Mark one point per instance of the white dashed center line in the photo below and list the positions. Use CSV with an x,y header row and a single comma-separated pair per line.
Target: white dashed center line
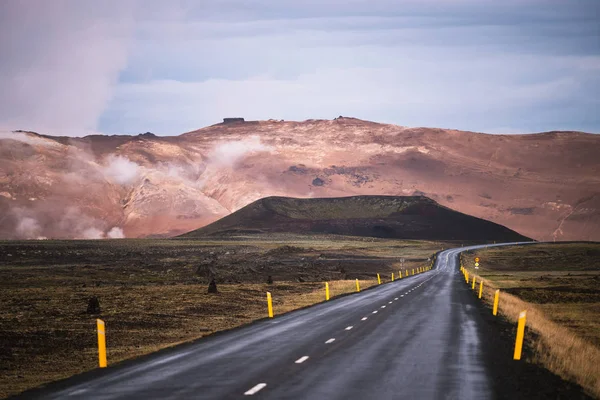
x,y
382,306
330,340
401,295
348,328
255,389
396,298
390,302
301,360
375,312
364,319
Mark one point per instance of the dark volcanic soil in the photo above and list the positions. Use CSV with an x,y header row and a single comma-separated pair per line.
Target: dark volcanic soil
x,y
409,217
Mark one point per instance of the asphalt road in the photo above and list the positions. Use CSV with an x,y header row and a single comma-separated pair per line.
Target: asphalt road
x,y
416,338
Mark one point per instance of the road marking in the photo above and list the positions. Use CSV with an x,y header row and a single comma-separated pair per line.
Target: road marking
x,y
255,389
349,327
301,360
382,306
375,312
396,298
364,319
330,340
401,295
390,302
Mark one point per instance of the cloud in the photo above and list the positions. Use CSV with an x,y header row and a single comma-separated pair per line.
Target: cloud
x,y
457,64
169,67
121,170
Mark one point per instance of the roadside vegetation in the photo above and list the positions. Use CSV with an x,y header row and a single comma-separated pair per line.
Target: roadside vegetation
x,y
559,286
153,293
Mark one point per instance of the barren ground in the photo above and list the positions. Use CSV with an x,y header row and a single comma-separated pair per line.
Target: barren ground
x,y
153,293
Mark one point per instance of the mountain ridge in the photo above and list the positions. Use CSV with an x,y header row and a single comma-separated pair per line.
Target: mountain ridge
x,y
544,185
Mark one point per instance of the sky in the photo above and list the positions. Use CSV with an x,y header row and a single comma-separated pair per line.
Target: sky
x,y
77,67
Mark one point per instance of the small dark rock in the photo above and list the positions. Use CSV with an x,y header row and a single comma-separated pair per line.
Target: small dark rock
x,y
212,286
270,280
93,305
318,182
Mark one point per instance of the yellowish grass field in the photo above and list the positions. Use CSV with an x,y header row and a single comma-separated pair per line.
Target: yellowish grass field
x,y
562,300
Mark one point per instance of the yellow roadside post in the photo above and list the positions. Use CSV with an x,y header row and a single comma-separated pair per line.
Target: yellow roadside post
x,y
406,272
496,298
101,343
270,304
480,288
357,286
378,279
520,335
473,285
326,290
413,271
392,277
400,274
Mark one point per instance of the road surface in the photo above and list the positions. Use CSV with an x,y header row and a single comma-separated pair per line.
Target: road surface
x,y
415,338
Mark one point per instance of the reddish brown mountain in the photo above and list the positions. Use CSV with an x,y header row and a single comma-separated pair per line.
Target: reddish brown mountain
x,y
545,186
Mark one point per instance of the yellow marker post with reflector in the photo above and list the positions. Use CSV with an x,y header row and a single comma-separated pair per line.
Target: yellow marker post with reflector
x,y
520,335
480,288
496,299
392,277
101,343
357,286
326,290
270,304
378,279
473,285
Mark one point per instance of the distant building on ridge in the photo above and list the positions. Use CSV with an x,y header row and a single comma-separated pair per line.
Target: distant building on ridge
x,y
232,120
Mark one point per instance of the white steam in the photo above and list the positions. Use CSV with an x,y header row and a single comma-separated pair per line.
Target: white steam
x,y
92,233
27,138
228,153
115,233
28,228
121,170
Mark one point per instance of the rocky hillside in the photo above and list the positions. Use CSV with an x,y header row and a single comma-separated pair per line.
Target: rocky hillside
x,y
545,186
414,217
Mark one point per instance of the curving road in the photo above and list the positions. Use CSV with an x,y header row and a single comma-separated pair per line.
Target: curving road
x,y
415,338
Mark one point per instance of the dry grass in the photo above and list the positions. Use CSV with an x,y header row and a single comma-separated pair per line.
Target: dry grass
x,y
336,288
558,343
152,295
54,339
